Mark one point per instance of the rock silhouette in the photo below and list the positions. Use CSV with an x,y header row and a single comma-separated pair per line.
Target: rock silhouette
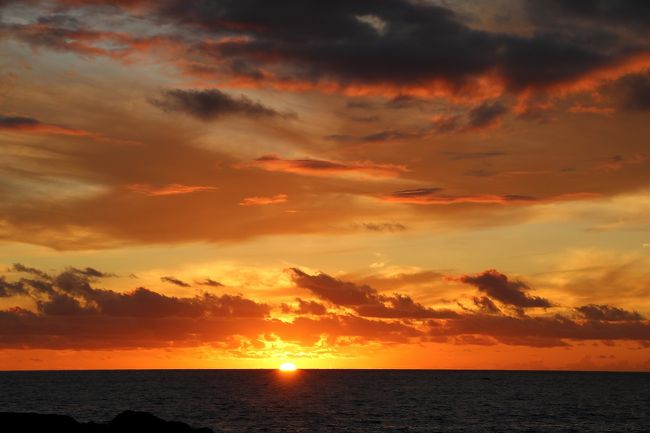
x,y
126,422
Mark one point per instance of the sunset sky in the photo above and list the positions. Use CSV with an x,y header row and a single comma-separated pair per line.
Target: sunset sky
x,y
337,184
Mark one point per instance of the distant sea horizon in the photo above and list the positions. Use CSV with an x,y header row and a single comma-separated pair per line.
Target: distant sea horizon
x,y
343,400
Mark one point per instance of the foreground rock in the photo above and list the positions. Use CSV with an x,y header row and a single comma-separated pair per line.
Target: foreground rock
x,y
126,422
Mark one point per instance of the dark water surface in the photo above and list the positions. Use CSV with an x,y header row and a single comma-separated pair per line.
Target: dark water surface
x,y
344,400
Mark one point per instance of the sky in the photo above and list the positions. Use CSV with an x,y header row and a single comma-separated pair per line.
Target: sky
x,y
341,184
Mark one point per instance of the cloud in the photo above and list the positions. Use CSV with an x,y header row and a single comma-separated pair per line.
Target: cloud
x,y
632,92
169,189
365,47
403,306
320,167
541,331
19,267
485,305
263,201
486,115
212,104
66,33
497,286
381,136
365,300
340,47
28,125
8,289
305,308
608,313
608,13
70,312
31,125
384,227
175,281
71,292
92,272
335,291
434,196
209,282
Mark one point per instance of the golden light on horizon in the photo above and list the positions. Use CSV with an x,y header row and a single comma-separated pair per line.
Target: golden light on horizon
x,y
288,366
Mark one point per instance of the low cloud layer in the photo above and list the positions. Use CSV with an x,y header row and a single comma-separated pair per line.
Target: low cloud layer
x,y
71,312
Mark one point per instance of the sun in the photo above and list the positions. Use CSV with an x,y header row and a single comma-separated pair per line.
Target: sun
x,y
288,366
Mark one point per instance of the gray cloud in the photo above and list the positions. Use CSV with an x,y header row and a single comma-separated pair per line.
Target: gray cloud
x,y
213,104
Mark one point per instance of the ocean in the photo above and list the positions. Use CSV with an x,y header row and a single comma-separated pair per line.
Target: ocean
x,y
344,400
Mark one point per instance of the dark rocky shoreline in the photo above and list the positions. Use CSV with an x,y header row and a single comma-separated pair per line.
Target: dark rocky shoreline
x,y
125,422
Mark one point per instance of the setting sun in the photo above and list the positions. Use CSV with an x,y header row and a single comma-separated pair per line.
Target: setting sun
x,y
288,366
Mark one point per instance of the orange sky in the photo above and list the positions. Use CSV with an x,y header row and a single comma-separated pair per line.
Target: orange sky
x,y
360,184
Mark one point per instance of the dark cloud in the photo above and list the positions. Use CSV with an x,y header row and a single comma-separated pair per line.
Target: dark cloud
x,y
175,281
380,136
608,313
8,289
384,227
447,123
624,13
71,292
481,117
31,125
336,44
419,192
17,122
212,104
509,292
485,305
72,314
209,282
632,92
19,267
61,305
365,300
486,115
305,308
343,293
402,306
434,196
92,272
311,42
541,331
